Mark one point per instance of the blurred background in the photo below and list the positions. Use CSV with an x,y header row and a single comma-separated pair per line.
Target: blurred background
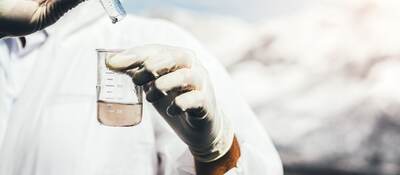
x,y
322,75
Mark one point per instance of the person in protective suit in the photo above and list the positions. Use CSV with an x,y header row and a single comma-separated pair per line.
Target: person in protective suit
x,y
194,122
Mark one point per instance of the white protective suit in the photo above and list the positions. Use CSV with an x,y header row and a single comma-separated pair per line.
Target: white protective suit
x,y
48,120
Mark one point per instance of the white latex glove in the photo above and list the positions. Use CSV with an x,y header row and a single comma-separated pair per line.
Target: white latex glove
x,y
179,88
22,17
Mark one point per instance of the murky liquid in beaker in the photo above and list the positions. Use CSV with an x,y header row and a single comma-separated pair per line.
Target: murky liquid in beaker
x,y
119,100
119,115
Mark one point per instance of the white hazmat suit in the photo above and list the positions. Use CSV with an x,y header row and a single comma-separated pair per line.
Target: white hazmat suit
x,y
48,120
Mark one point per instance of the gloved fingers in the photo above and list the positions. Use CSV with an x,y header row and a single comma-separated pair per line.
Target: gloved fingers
x,y
180,81
16,17
152,93
142,76
62,6
124,61
153,61
168,61
192,102
131,72
159,65
136,56
66,2
27,16
132,58
49,11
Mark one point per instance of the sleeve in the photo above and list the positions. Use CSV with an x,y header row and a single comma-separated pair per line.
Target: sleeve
x,y
258,155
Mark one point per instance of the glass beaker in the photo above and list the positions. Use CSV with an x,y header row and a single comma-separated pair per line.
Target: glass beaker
x,y
119,100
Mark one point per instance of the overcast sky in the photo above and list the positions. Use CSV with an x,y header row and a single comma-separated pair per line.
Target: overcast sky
x,y
250,9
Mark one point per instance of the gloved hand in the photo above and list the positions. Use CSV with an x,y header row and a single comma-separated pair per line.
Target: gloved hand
x,y
22,17
179,88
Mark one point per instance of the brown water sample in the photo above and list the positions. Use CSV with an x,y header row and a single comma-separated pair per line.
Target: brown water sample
x,y
119,115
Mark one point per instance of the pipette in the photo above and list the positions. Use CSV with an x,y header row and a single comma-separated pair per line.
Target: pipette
x,y
114,10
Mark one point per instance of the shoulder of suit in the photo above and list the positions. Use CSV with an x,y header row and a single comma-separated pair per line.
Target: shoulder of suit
x,y
145,27
148,23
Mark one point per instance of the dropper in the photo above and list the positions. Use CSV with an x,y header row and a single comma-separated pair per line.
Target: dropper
x,y
114,10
